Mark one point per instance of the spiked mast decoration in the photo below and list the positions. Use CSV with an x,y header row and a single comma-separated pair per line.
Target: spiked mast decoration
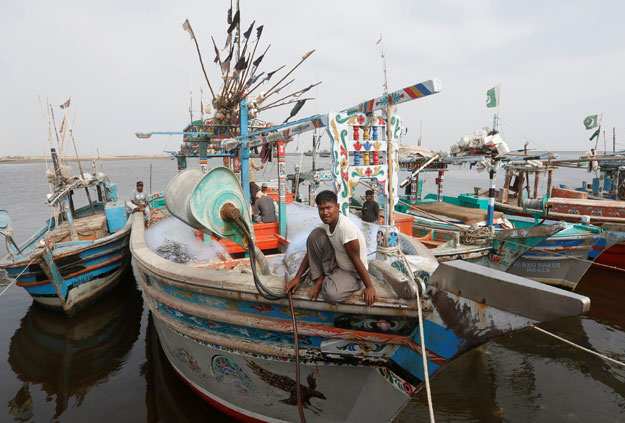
x,y
241,76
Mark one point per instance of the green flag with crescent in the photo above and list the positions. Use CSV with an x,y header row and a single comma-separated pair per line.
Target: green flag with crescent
x,y
591,121
492,96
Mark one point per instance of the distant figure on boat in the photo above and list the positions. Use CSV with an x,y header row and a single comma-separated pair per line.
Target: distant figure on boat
x,y
139,200
336,254
264,209
370,208
263,191
253,187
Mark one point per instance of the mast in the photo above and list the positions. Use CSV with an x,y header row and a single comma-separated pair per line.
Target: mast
x,y
390,215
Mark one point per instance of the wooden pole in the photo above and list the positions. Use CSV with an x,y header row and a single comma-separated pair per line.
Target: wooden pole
x,y
536,182
549,175
506,188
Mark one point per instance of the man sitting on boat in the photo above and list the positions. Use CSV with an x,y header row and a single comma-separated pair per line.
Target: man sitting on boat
x,y
336,255
370,208
139,200
264,209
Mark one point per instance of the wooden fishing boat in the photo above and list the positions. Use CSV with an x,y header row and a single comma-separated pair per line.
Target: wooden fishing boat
x,y
236,348
560,259
224,322
80,253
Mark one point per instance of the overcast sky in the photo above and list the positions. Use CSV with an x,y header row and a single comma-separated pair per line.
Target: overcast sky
x,y
128,65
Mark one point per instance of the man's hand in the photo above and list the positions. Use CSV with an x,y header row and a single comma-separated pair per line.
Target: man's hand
x,y
369,295
292,285
315,290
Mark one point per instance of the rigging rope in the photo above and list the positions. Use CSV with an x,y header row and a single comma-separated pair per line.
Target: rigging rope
x,y
426,375
605,357
17,277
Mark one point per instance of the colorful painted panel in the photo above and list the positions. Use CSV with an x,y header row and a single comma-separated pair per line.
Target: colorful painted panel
x,y
359,151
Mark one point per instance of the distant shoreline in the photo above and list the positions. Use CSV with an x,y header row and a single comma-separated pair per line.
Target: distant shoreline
x,y
34,159
31,159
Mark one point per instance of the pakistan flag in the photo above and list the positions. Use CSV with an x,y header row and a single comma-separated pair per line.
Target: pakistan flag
x,y
492,96
591,121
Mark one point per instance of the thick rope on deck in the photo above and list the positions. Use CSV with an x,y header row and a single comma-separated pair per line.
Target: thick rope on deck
x,y
605,357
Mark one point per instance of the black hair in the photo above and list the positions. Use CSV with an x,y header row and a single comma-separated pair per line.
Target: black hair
x,y
369,192
326,196
139,182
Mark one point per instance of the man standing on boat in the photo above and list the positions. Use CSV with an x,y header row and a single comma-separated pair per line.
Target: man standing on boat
x,y
370,208
336,254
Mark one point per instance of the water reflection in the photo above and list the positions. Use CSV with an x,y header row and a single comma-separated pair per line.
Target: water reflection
x,y
168,398
529,376
69,357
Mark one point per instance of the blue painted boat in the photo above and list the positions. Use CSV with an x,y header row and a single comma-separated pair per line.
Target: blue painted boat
x,y
79,254
235,348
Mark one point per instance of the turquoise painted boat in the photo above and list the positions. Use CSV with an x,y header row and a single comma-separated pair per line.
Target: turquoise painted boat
x,y
79,254
559,260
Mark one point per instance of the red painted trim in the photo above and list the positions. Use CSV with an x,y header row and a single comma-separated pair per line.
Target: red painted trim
x,y
88,269
219,406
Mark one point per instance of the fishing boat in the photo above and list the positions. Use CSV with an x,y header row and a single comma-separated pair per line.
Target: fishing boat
x,y
232,335
445,223
80,253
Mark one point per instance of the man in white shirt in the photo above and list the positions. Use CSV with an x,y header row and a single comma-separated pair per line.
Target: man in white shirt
x,y
336,256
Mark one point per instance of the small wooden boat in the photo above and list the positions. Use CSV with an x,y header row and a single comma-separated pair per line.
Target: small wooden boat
x,y
80,253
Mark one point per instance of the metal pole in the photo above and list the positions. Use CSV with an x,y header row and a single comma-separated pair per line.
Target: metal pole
x,y
245,154
203,156
440,181
389,162
491,199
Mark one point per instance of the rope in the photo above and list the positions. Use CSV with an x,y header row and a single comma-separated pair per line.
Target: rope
x,y
297,371
426,375
620,363
17,277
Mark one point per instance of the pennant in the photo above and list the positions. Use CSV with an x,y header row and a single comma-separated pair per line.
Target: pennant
x,y
259,31
492,96
217,59
591,121
66,104
595,135
270,74
258,60
235,22
225,65
295,109
253,79
247,33
187,27
241,64
228,43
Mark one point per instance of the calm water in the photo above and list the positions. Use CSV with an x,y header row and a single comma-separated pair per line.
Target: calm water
x,y
106,364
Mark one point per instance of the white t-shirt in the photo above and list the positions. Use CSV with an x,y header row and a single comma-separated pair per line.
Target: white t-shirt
x,y
344,232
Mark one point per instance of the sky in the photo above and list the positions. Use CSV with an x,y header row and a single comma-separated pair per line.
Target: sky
x,y
128,66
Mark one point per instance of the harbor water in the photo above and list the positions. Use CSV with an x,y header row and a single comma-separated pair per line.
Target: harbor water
x,y
106,363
